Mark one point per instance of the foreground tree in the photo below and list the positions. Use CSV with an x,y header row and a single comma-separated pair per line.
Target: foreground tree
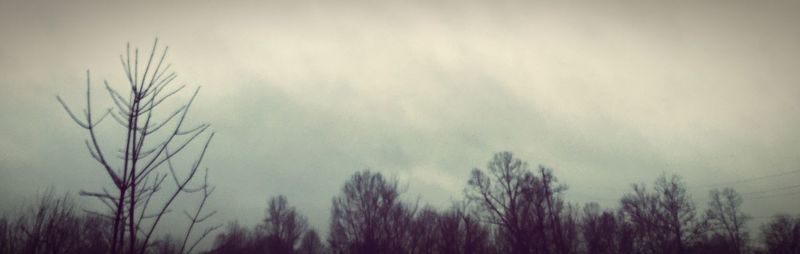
x,y
137,171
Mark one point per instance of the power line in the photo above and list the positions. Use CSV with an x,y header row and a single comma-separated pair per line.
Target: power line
x,y
704,186
594,197
598,198
772,196
759,192
744,180
771,190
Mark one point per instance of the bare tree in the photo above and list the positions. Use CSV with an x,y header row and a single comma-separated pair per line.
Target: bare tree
x,y
368,216
235,239
678,217
527,210
782,235
167,245
311,243
52,225
641,209
664,220
423,234
137,170
562,217
605,231
501,197
727,219
283,226
7,241
460,231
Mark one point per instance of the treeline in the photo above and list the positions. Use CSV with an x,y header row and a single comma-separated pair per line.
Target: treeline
x,y
508,207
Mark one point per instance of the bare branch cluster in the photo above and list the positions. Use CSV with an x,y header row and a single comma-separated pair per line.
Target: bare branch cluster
x,y
152,140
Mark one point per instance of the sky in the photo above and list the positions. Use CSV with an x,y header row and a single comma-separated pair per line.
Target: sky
x,y
302,94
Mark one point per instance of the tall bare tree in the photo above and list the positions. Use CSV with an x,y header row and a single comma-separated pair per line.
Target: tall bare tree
x,y
153,136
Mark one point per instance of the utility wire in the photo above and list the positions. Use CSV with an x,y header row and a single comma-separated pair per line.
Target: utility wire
x,y
772,196
744,180
771,190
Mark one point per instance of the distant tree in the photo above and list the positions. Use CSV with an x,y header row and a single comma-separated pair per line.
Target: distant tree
x,y
423,234
664,220
527,210
782,235
501,198
167,245
311,243
52,225
561,215
727,221
641,209
95,237
461,232
235,239
678,217
282,227
368,216
7,242
138,169
604,231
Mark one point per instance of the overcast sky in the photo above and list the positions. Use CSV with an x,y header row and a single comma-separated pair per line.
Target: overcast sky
x,y
303,94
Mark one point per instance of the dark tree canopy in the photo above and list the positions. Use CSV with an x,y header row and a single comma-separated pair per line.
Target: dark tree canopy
x,y
369,217
525,207
782,235
507,208
282,227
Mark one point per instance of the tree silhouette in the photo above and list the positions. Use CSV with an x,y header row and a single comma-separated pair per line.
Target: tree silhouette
x,y
235,239
782,235
605,231
461,232
526,209
507,209
136,171
727,221
664,220
282,227
311,243
52,225
368,216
